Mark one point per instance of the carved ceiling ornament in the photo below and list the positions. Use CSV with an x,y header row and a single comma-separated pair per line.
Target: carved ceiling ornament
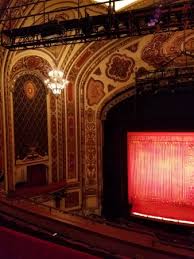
x,y
120,67
166,48
29,64
177,43
133,47
95,91
152,49
30,89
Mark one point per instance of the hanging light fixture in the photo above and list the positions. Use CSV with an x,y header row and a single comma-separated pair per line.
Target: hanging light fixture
x,y
56,83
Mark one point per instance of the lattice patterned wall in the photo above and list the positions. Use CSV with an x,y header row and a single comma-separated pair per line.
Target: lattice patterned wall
x,y
30,116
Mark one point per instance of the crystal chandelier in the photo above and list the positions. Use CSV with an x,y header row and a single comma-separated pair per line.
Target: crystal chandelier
x,y
56,83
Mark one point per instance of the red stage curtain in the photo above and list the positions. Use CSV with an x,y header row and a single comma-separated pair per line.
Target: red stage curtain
x,y
161,174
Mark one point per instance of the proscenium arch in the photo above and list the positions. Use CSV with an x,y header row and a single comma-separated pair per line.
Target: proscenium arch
x,y
120,206
92,127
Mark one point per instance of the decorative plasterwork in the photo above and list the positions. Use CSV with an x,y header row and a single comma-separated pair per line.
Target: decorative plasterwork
x,y
31,63
30,89
166,48
95,91
120,67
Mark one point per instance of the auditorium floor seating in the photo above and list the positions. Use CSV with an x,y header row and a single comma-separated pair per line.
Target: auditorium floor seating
x,y
102,238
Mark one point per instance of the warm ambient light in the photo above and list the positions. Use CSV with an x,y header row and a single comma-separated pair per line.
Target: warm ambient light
x,y
119,4
164,219
56,83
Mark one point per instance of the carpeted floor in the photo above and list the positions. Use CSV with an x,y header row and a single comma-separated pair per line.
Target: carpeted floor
x,y
15,245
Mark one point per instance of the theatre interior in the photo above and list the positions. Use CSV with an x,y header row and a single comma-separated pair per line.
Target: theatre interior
x,y
96,129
